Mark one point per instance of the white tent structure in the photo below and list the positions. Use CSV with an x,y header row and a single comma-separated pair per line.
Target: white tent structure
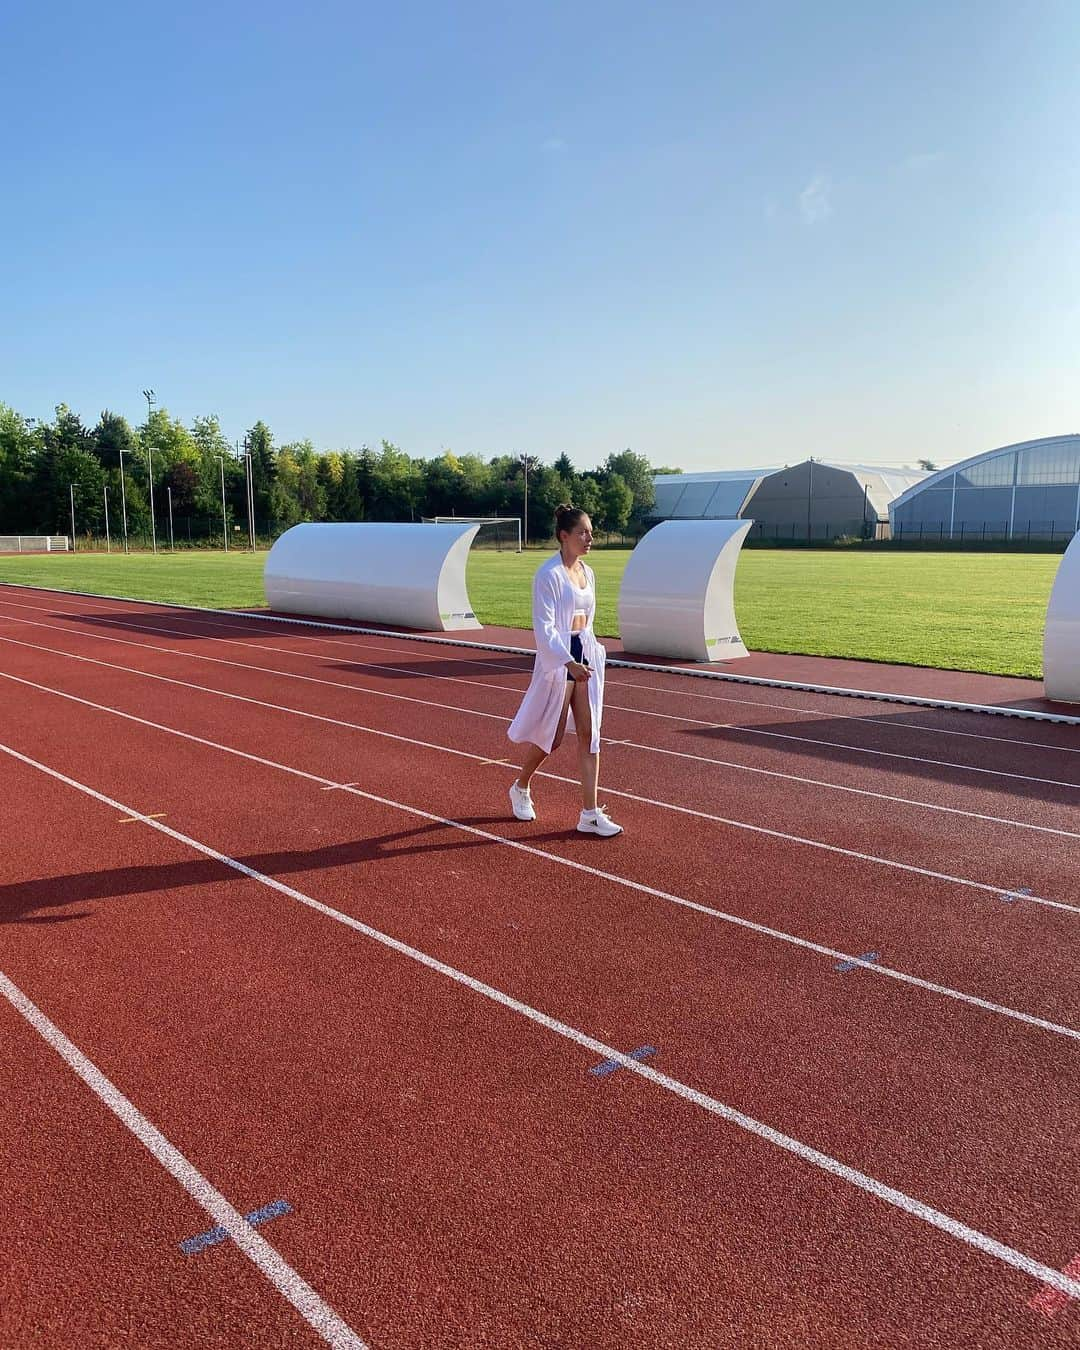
x,y
815,499
704,496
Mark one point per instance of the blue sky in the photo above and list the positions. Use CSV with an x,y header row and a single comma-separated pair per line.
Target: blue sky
x,y
720,234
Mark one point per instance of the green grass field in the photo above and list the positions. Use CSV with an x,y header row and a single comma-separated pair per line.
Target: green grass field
x,y
957,611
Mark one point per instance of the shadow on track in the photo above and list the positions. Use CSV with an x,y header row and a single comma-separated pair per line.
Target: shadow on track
x,y
32,901
1004,759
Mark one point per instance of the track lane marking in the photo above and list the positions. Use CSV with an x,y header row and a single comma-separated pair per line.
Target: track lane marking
x,y
617,681
972,1237
694,812
615,792
269,1262
614,707
639,887
473,712
616,662
1050,1301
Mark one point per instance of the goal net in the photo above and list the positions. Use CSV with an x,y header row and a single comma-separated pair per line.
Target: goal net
x,y
495,532
34,543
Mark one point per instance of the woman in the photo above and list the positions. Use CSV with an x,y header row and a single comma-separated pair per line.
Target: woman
x,y
568,675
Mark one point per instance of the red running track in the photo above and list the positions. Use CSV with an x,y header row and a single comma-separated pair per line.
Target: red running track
x,y
456,1176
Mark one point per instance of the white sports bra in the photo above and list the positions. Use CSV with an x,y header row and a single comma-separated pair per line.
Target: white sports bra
x,y
585,602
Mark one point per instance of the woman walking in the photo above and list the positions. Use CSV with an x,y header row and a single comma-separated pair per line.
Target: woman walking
x,y
568,675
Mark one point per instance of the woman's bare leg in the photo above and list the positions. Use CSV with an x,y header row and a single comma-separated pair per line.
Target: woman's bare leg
x,y
588,763
534,756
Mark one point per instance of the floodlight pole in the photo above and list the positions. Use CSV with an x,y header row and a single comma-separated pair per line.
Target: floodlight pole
x,y
249,487
148,394
71,490
224,521
527,462
123,499
108,541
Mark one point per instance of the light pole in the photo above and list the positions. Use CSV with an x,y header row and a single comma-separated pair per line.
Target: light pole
x,y
527,462
71,490
148,394
224,519
249,484
123,499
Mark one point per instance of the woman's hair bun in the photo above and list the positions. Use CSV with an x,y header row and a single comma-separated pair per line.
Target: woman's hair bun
x,y
566,517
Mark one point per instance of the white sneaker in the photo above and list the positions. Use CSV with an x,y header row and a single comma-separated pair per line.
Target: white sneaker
x,y
521,801
596,822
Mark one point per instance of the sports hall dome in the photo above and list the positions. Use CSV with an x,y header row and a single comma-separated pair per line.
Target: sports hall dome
x,y
1027,490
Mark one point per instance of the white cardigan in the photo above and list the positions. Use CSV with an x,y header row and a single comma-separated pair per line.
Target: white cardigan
x,y
555,597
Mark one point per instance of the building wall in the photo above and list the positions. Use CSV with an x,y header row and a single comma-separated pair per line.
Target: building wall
x,y
810,501
1029,490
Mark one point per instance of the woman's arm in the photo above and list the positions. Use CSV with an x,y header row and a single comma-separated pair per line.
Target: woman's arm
x,y
551,647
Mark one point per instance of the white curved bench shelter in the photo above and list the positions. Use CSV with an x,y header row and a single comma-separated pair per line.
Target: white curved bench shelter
x,y
678,591
1061,640
409,576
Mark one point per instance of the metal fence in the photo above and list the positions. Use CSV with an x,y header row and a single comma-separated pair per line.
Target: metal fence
x,y
34,543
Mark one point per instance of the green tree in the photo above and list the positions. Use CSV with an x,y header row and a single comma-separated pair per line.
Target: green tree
x,y
18,449
636,473
443,486
585,493
169,440
213,455
79,474
504,488
259,441
397,483
352,505
475,486
48,498
182,481
547,490
310,493
616,503
331,474
112,437
284,503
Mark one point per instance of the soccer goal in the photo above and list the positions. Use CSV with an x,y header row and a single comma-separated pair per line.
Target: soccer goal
x,y
34,543
497,532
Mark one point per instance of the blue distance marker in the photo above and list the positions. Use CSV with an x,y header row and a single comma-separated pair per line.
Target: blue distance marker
x,y
845,966
190,1246
1010,896
610,1065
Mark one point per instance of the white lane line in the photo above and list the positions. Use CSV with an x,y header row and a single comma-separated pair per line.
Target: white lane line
x,y
842,787
803,840
619,683
622,683
318,1315
916,1208
638,887
914,700
138,626
475,712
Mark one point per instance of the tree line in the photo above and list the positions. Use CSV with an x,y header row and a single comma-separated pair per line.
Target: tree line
x,y
43,465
